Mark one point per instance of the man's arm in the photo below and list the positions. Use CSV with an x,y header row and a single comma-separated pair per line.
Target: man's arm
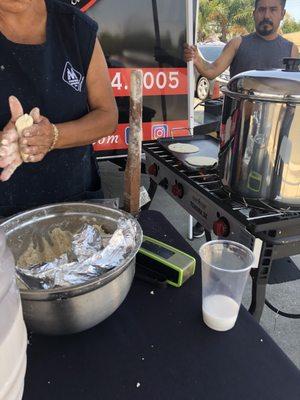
x,y
214,69
295,51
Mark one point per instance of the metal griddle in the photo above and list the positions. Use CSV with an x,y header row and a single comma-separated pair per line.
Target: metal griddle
x,y
208,147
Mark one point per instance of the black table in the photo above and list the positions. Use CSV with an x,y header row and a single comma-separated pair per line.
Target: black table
x,y
155,346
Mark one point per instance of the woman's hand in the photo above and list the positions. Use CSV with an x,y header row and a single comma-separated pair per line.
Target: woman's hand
x,y
38,139
10,157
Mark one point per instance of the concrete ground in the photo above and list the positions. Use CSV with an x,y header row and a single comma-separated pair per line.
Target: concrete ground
x,y
286,296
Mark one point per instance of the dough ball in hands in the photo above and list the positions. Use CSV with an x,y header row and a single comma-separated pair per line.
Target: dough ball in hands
x,y
23,122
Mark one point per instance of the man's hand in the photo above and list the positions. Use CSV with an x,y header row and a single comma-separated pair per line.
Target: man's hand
x,y
213,69
204,67
10,157
190,53
37,140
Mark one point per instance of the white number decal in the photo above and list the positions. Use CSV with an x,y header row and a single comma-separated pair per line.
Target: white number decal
x,y
156,81
116,81
161,83
173,79
148,80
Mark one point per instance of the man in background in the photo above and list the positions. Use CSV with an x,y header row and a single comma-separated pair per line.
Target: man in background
x,y
262,49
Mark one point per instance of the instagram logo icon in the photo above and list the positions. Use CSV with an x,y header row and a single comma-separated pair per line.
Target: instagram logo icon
x,y
159,131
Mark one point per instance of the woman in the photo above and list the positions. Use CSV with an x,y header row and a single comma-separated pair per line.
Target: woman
x,y
53,65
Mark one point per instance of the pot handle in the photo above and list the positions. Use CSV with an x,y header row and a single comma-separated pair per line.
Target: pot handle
x,y
291,64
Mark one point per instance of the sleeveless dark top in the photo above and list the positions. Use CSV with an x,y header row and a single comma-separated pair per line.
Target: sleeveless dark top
x,y
51,76
257,53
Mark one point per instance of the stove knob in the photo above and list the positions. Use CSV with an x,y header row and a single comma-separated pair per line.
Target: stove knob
x,y
164,183
153,170
177,190
221,227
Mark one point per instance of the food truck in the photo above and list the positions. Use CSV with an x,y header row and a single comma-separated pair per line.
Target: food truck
x,y
148,35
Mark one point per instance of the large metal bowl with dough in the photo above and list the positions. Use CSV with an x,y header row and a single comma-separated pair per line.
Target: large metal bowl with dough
x,y
76,308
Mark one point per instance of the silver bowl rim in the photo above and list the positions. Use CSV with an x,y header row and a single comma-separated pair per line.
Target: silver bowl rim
x,y
76,290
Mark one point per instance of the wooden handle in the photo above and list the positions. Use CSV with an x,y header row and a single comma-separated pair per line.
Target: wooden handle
x,y
133,165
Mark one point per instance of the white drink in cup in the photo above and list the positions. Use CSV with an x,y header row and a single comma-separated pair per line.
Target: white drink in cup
x,y
225,269
220,312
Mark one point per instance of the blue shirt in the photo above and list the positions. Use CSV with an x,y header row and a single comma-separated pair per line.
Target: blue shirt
x,y
256,52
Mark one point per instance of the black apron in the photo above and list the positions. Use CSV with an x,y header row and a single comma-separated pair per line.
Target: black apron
x,y
51,76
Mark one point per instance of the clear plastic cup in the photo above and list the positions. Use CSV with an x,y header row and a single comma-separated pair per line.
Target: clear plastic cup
x,y
225,269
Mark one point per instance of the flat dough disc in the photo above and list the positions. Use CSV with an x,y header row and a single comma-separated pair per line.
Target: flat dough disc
x,y
201,161
183,148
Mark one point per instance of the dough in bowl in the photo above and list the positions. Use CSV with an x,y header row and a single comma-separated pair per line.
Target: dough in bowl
x,y
183,148
201,161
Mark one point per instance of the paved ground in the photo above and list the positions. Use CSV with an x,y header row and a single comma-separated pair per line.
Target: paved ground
x,y
285,332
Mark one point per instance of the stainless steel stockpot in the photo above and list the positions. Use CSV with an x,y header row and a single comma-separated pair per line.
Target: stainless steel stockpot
x,y
260,136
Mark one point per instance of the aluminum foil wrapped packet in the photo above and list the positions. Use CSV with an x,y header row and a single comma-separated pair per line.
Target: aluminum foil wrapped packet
x,y
92,254
86,243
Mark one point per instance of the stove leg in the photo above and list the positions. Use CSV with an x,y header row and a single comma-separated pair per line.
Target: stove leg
x,y
260,277
151,191
258,296
207,235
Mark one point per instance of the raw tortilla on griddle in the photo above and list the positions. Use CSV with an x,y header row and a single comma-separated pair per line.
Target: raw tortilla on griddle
x,y
201,161
183,148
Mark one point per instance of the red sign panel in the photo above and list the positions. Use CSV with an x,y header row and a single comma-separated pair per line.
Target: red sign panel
x,y
156,81
151,131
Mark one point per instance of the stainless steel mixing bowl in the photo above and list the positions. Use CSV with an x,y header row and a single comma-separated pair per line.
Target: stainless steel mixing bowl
x,y
76,308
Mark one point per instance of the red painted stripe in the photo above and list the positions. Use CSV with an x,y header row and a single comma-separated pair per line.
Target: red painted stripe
x,y
88,5
151,131
156,81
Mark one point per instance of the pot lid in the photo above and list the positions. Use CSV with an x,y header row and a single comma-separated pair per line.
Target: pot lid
x,y
272,85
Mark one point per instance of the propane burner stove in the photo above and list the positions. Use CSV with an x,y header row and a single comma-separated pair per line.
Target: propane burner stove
x,y
271,233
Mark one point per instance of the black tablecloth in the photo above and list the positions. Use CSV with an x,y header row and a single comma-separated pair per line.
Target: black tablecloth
x,y
155,346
